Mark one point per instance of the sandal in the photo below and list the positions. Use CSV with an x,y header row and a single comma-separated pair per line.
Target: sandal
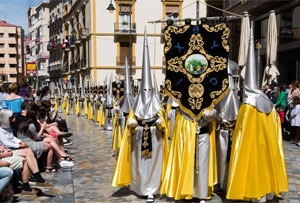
x,y
68,158
50,170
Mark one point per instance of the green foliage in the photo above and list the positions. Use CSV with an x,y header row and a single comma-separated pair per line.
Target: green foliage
x,y
195,64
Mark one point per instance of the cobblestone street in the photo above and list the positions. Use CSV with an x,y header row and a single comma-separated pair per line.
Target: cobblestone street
x,y
91,177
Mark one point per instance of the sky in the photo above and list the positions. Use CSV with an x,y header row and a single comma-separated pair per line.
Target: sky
x,y
15,11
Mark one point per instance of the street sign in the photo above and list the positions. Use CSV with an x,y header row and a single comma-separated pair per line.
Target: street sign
x,y
31,70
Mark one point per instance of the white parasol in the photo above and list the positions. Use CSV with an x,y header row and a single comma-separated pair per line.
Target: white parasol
x,y
271,72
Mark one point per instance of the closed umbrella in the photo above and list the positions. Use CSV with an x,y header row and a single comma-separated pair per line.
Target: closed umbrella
x,y
271,72
244,42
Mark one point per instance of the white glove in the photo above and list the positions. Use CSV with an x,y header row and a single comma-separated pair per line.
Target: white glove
x,y
209,115
132,122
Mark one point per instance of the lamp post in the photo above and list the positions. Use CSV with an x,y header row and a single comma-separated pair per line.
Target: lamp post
x,y
111,8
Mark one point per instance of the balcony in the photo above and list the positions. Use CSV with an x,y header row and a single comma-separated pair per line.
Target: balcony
x,y
83,33
72,42
121,64
123,30
54,68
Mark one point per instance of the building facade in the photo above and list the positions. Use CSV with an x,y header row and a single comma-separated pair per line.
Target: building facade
x,y
38,18
288,25
56,39
11,52
97,41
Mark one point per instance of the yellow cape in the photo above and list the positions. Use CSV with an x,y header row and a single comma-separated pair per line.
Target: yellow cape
x,y
116,134
178,180
102,116
64,102
90,115
86,111
122,173
78,110
257,165
68,107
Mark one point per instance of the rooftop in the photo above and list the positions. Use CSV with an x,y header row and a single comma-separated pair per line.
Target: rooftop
x,y
5,24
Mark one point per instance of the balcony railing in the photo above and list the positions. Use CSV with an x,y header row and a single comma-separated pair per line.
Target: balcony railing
x,y
53,68
124,27
83,33
72,41
121,61
230,3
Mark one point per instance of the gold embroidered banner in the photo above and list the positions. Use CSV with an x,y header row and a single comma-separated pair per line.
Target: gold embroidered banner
x,y
196,65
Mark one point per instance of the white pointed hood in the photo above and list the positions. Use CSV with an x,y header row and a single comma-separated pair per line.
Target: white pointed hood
x,y
128,99
252,94
145,107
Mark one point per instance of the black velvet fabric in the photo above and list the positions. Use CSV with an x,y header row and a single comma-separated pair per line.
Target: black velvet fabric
x,y
213,81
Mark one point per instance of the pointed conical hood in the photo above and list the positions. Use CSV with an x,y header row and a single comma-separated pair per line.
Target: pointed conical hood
x,y
128,88
128,99
252,94
228,108
145,106
146,73
109,95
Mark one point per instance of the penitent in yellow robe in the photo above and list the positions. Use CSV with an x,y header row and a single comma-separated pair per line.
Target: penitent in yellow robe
x,y
122,173
102,116
91,112
78,110
68,107
257,166
86,111
116,134
178,180
64,102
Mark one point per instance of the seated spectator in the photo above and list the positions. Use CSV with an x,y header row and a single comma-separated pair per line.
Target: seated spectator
x,y
13,102
20,152
44,94
3,94
31,132
20,117
5,175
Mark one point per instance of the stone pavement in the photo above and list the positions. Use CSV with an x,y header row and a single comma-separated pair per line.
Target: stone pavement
x,y
90,179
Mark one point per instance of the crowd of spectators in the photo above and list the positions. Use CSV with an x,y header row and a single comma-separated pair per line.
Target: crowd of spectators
x,y
32,139
287,102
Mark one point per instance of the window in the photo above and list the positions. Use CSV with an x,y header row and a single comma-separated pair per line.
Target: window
x,y
172,12
12,45
12,65
1,34
12,55
13,75
2,65
1,45
11,35
1,55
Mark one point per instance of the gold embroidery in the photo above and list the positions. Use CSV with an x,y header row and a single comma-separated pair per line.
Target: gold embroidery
x,y
196,90
173,29
217,28
195,103
217,93
169,87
